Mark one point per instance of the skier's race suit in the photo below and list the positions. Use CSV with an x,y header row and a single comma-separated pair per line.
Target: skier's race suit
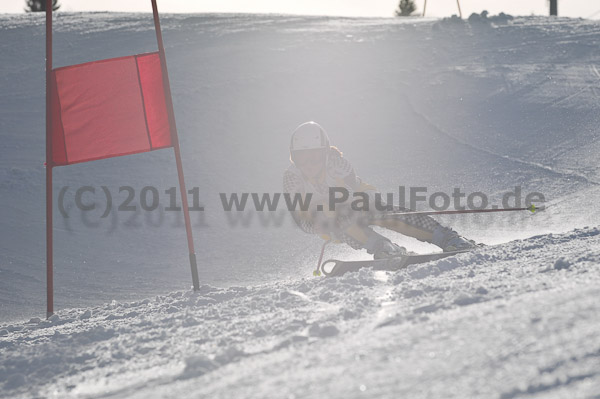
x,y
348,227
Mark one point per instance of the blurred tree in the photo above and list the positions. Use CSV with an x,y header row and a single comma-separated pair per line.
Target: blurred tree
x,y
39,5
405,8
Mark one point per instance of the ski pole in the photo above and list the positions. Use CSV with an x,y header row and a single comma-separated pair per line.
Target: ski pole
x,y
317,271
531,208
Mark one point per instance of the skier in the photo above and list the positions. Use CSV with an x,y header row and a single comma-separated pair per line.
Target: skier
x,y
316,166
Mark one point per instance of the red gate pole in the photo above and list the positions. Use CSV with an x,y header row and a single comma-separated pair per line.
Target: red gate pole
x,y
49,260
170,110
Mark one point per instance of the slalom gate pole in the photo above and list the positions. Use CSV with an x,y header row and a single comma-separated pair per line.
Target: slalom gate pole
x,y
459,10
531,208
49,243
172,124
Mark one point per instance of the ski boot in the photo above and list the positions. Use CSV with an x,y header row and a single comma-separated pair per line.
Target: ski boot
x,y
381,247
450,241
387,249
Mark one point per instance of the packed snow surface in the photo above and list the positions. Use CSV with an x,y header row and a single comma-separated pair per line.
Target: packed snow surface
x,y
516,320
486,105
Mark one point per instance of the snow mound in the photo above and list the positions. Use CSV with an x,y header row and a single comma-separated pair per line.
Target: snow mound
x,y
475,324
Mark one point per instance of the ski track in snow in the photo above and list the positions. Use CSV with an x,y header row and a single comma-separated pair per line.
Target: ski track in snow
x,y
521,162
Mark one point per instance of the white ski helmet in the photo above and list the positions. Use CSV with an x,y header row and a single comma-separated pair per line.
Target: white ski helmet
x,y
309,136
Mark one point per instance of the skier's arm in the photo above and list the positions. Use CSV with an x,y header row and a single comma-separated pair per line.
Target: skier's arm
x,y
292,184
345,175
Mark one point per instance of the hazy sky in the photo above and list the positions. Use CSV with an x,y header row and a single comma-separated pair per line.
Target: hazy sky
x,y
435,8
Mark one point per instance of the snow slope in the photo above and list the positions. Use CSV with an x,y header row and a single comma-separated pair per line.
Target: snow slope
x,y
480,105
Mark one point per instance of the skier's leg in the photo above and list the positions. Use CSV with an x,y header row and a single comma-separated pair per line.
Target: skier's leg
x,y
359,237
417,226
423,228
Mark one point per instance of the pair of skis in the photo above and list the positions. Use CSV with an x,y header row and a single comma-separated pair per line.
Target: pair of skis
x,y
334,267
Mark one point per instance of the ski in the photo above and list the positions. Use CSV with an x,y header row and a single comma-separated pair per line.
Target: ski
x,y
341,267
